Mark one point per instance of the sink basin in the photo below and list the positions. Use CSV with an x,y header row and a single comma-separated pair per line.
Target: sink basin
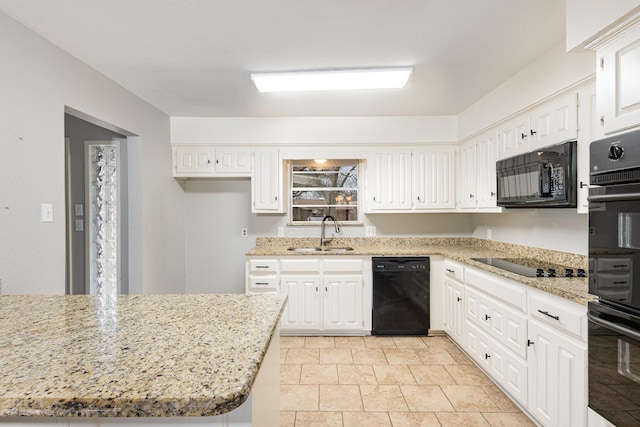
x,y
318,249
305,249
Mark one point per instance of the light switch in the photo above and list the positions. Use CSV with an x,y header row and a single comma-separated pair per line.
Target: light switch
x,y
79,225
78,209
46,212
370,231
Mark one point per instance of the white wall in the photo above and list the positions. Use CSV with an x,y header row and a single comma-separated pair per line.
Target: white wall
x,y
38,81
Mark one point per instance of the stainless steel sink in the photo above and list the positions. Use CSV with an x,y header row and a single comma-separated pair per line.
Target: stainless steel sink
x,y
308,249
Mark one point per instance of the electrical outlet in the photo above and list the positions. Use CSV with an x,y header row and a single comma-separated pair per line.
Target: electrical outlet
x,y
244,232
370,231
78,209
79,225
488,234
280,231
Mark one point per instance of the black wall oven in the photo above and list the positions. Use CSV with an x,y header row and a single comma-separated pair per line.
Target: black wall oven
x,y
614,276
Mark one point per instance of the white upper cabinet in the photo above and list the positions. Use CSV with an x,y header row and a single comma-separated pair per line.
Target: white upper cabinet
x,y
618,84
514,136
266,181
554,121
410,179
467,175
234,161
193,161
433,170
589,129
477,173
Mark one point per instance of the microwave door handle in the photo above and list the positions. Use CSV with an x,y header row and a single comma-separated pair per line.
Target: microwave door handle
x,y
614,327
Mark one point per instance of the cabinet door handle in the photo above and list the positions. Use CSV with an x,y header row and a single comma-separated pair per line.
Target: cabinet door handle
x,y
487,356
487,317
523,135
459,299
546,313
262,283
276,198
208,161
450,270
471,196
602,120
418,198
374,198
533,132
316,289
217,162
262,266
582,184
493,194
529,343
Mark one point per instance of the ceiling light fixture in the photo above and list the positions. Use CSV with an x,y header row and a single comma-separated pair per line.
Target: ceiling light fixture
x,y
322,80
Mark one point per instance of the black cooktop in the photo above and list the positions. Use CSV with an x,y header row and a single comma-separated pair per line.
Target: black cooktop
x,y
532,267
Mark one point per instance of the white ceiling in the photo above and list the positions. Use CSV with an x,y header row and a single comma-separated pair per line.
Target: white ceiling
x,y
194,57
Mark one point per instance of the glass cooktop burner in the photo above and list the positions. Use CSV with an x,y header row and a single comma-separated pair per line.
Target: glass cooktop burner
x,y
532,267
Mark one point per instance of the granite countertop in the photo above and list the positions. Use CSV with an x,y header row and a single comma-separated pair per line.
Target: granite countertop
x,y
132,355
461,249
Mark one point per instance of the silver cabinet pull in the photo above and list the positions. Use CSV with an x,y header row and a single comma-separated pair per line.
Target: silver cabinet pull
x,y
546,313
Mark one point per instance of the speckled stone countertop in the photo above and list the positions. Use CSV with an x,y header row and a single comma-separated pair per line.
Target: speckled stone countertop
x,y
457,248
131,356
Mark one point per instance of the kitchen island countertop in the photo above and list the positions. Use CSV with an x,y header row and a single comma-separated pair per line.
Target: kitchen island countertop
x,y
132,355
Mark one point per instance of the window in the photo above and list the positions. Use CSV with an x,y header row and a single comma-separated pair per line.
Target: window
x,y
324,188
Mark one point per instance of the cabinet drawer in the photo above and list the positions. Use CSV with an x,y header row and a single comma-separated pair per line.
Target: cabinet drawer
x,y
502,289
300,265
342,265
263,283
263,265
560,313
454,270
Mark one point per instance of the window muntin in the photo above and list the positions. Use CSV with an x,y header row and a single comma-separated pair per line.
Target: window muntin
x,y
330,188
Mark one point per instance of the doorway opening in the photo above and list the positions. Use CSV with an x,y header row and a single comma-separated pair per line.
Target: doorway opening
x,y
102,209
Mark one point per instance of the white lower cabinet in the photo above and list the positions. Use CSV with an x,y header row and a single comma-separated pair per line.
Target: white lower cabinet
x,y
325,295
529,342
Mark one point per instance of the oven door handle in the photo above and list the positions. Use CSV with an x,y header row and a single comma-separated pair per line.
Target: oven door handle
x,y
614,326
613,197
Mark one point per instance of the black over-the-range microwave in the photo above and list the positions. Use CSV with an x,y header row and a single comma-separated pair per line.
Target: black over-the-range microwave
x,y
544,178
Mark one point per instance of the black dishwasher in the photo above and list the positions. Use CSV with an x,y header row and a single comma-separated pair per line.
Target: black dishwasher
x,y
400,296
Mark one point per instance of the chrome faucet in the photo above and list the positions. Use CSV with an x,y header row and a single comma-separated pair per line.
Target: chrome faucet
x,y
324,240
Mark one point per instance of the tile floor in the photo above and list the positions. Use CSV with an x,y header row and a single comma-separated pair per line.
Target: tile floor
x,y
387,381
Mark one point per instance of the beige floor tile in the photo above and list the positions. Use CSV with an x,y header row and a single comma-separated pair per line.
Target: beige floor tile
x,y
292,342
356,374
319,342
299,397
436,356
350,342
319,374
379,342
402,356
500,399
338,356
287,419
340,398
431,375
383,398
283,355
414,419
302,356
469,398
366,419
409,342
459,419
438,342
290,374
426,398
465,374
394,374
370,356
318,419
459,356
502,419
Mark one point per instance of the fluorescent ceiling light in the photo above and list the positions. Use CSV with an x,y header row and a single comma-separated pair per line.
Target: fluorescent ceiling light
x,y
350,79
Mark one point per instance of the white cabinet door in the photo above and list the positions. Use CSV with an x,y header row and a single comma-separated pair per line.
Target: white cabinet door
x,y
466,165
454,312
434,178
554,122
618,85
557,377
342,302
389,180
233,160
303,305
514,136
589,129
486,184
193,161
266,182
